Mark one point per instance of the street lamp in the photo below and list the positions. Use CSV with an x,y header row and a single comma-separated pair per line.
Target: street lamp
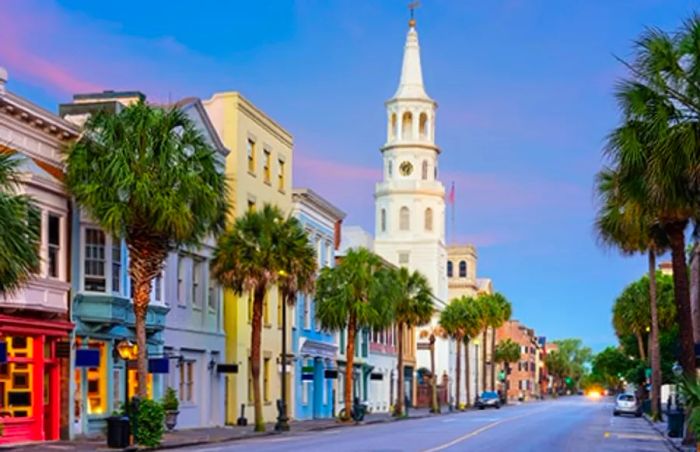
x,y
677,369
282,424
127,351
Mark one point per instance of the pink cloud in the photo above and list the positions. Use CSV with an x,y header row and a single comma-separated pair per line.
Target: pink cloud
x,y
14,53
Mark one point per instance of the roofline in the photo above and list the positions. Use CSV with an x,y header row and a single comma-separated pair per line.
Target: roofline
x,y
319,201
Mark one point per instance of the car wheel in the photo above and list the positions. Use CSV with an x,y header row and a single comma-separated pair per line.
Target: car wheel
x,y
615,413
637,414
498,407
481,407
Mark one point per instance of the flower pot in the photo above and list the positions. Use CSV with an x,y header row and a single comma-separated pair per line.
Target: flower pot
x,y
171,419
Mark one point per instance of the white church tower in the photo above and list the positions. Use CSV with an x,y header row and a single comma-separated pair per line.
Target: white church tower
x,y
410,200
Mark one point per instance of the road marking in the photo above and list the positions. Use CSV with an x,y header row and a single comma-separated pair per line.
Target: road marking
x,y
477,432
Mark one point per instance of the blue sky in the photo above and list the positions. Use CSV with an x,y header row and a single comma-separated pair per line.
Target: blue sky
x,y
524,89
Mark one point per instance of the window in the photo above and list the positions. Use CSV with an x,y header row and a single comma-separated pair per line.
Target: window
x,y
251,156
54,244
341,341
307,312
404,219
305,392
449,269
393,125
250,380
266,379
404,258
462,269
280,306
250,306
389,168
116,265
158,287
406,125
266,309
424,170
251,206
266,166
428,219
280,175
187,381
197,279
181,280
213,294
94,260
383,220
423,125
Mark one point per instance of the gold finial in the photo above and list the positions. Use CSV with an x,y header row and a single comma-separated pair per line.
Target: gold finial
x,y
412,6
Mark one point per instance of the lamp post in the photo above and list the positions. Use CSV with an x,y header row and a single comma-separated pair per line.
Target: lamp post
x,y
282,424
127,351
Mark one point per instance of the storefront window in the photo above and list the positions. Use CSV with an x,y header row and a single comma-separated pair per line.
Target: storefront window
x,y
96,380
16,378
134,383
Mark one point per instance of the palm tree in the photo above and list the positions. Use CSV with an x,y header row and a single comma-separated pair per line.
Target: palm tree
x,y
253,256
507,352
354,295
658,148
452,321
19,220
148,176
413,307
473,321
490,311
631,316
504,310
432,333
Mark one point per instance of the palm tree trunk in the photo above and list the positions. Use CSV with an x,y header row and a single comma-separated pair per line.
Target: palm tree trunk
x,y
140,310
398,411
434,377
655,351
695,290
349,361
484,379
458,369
493,361
676,235
466,371
255,334
640,346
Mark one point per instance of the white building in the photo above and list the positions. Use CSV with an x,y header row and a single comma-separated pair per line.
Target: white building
x,y
410,204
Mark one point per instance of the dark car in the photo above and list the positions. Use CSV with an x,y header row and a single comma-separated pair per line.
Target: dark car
x,y
488,399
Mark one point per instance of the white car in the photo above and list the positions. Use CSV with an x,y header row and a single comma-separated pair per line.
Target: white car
x,y
627,404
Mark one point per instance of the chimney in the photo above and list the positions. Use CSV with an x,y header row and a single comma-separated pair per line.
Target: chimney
x,y
3,79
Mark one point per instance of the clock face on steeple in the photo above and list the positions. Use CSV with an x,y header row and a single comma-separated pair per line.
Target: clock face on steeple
x,y
406,168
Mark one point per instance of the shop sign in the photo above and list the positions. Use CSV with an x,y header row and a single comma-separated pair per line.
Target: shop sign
x,y
159,365
227,368
87,357
331,374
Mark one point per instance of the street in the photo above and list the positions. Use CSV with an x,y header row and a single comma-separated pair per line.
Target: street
x,y
567,424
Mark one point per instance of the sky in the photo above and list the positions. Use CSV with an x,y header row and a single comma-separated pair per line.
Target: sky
x,y
524,91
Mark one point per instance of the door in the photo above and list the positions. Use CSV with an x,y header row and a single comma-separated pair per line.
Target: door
x,y
51,401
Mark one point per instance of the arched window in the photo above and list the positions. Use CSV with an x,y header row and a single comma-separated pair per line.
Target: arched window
x,y
383,220
462,269
406,125
389,167
428,219
424,170
423,126
393,125
449,269
404,219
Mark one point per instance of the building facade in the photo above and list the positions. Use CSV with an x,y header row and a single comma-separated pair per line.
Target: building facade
x,y
102,307
383,378
315,350
522,381
259,171
194,339
34,321
409,201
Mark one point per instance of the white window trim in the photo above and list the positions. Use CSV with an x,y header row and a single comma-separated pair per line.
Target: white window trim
x,y
126,286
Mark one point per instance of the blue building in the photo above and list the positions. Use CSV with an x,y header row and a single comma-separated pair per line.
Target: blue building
x,y
315,350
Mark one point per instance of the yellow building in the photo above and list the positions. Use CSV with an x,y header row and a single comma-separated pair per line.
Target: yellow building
x,y
259,171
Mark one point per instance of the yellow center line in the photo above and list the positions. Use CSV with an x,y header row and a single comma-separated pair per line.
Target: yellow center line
x,y
481,430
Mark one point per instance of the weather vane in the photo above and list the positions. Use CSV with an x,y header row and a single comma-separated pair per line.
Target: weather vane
x,y
412,6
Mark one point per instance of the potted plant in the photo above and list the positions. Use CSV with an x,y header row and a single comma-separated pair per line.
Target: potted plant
x,y
171,405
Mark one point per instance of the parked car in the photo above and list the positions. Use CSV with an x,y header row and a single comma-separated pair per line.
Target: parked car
x,y
488,399
627,403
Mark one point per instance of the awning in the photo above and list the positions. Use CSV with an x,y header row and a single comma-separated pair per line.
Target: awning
x,y
317,349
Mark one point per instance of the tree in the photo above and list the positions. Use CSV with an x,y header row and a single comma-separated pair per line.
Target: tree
x,y
557,366
610,365
473,321
148,176
630,315
254,255
356,294
503,312
507,352
452,321
661,99
19,220
413,307
575,357
490,306
432,333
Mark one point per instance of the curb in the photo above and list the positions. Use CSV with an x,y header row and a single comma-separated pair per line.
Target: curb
x,y
669,442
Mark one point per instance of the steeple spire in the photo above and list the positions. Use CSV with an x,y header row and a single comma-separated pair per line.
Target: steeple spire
x,y
411,82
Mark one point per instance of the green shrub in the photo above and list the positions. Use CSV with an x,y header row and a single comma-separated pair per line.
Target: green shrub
x,y
149,421
170,401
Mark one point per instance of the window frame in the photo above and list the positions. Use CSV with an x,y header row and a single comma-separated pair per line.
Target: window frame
x,y
53,249
250,156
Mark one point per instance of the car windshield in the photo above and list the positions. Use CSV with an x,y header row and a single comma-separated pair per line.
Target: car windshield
x,y
626,398
489,395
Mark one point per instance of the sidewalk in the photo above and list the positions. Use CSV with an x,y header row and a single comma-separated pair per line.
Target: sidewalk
x,y
662,429
199,436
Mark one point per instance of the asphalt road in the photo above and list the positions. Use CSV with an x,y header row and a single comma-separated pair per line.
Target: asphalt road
x,y
567,424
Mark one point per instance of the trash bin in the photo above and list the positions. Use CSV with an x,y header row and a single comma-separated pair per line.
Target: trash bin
x,y
118,432
646,406
676,419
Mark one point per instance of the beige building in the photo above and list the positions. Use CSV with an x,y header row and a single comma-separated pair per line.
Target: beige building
x,y
259,170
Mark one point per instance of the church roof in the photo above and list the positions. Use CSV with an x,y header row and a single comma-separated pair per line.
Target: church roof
x,y
411,82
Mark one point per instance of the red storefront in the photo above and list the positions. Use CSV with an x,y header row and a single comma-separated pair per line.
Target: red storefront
x,y
31,377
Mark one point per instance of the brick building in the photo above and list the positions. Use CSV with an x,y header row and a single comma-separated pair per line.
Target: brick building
x,y
522,382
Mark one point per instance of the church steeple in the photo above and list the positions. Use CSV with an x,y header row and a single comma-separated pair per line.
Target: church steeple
x,y
411,82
